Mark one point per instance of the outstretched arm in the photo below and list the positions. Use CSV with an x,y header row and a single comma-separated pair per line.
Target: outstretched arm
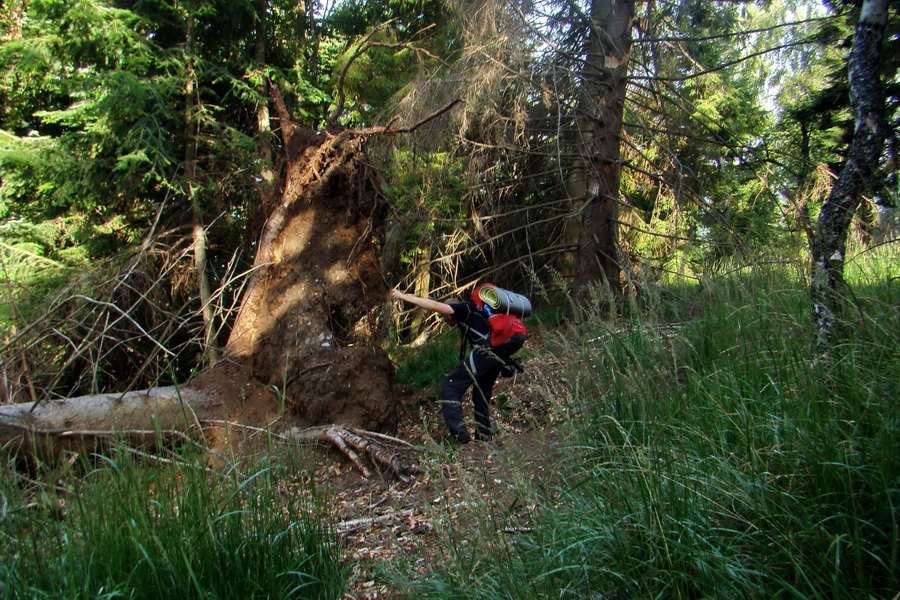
x,y
426,303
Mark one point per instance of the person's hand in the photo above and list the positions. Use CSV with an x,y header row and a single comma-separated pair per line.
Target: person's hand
x,y
397,294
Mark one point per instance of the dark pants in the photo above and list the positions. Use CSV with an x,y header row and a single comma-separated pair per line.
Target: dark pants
x,y
479,370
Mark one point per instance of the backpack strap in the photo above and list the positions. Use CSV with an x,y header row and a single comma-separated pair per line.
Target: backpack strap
x,y
463,342
465,331
481,339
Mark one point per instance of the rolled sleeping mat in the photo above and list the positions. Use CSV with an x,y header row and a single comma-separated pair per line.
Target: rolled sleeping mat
x,y
505,301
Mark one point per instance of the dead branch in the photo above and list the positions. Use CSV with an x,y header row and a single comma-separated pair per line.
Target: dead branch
x,y
409,129
125,315
357,524
365,449
333,436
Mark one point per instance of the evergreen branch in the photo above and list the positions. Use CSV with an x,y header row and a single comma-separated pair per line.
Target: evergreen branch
x,y
364,46
733,34
33,255
726,65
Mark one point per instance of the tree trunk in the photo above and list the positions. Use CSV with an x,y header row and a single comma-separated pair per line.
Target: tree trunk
x,y
421,286
605,84
830,239
267,183
191,133
44,430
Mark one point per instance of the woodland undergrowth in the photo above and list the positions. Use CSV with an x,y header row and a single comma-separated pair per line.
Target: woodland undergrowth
x,y
708,456
705,455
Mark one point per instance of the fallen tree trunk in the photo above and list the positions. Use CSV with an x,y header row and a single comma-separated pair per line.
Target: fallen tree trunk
x,y
47,429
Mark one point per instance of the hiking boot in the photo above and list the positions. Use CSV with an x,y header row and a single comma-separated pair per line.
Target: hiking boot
x,y
453,439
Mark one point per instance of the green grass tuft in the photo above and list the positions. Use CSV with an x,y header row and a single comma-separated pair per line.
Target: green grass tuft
x,y
137,531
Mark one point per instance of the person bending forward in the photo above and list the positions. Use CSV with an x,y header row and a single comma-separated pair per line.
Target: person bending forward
x,y
478,370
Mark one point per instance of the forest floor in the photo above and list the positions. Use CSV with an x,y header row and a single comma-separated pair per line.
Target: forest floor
x,y
386,525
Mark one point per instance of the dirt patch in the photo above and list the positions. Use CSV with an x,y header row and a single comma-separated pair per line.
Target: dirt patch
x,y
381,526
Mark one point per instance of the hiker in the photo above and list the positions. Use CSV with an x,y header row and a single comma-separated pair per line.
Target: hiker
x,y
479,370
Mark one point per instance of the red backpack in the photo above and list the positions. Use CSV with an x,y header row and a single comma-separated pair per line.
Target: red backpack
x,y
504,310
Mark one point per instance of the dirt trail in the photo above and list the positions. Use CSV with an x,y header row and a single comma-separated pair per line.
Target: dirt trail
x,y
381,522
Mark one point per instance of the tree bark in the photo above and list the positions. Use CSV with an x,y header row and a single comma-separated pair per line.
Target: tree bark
x,y
46,429
605,79
829,243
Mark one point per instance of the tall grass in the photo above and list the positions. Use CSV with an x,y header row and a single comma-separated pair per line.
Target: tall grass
x,y
712,458
131,531
425,366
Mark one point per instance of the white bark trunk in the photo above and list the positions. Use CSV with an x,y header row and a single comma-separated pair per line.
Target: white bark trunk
x,y
830,240
49,428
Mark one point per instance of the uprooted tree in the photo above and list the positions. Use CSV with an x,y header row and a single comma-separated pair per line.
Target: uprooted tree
x,y
303,350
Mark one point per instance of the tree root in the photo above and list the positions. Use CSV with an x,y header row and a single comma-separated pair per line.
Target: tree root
x,y
363,448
